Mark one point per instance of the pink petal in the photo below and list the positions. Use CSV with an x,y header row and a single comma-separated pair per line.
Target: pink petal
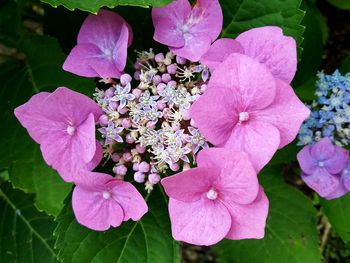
x,y
286,113
323,149
219,51
215,113
321,182
258,139
189,186
249,221
247,78
203,222
338,161
132,202
95,212
196,44
78,60
270,47
167,33
86,138
96,159
238,180
30,115
103,28
177,12
307,163
208,18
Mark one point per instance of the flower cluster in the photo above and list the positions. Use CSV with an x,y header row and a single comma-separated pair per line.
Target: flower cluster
x,y
147,130
231,93
330,115
325,168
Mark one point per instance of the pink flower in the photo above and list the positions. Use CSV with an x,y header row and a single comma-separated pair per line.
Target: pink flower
x,y
246,109
219,199
188,32
266,44
101,201
102,47
323,168
63,123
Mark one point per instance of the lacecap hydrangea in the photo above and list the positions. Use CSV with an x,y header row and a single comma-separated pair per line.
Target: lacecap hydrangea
x,y
203,119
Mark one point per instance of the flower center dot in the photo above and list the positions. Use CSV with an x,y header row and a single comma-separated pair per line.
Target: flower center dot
x,y
321,164
70,130
106,195
212,194
243,116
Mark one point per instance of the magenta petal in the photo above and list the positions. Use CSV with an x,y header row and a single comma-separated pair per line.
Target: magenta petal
x,y
248,79
86,138
196,44
208,17
97,157
286,113
167,33
132,202
78,60
215,114
270,47
258,139
219,51
321,182
189,186
238,180
30,115
307,163
94,212
177,12
323,149
338,161
346,176
103,28
248,221
203,222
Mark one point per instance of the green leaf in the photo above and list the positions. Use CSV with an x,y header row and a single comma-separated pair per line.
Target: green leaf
x,y
341,4
148,240
26,235
291,235
338,213
242,15
312,50
345,67
40,70
93,6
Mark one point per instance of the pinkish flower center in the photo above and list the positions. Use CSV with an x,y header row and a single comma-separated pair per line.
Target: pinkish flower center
x,y
108,53
70,129
243,116
321,164
106,194
212,194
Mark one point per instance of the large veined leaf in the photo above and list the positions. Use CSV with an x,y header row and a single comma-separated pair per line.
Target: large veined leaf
x,y
26,235
241,15
338,213
291,235
93,6
20,79
148,240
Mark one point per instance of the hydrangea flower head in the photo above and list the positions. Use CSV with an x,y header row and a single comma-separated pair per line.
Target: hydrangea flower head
x,y
322,165
102,45
330,111
246,109
101,201
219,199
188,31
63,123
266,44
